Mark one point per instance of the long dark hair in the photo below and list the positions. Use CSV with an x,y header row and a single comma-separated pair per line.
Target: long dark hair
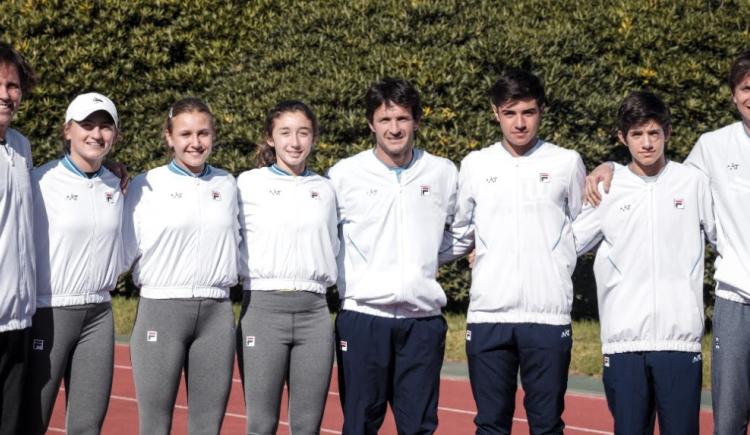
x,y
266,154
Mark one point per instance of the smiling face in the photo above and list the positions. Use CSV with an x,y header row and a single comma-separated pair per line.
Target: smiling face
x,y
519,121
394,128
191,139
646,143
741,99
90,140
292,138
10,95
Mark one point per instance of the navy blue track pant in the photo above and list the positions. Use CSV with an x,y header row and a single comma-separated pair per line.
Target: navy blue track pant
x,y
496,351
639,384
14,356
385,360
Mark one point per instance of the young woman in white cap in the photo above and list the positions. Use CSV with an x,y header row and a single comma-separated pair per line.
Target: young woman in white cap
x,y
77,233
181,230
288,260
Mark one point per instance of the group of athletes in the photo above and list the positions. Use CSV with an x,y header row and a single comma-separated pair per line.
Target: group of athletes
x,y
378,225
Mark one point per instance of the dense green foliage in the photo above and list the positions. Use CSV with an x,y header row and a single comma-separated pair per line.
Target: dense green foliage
x,y
242,57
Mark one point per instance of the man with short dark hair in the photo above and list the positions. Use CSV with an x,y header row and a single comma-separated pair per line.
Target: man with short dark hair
x,y
394,203
517,199
17,274
723,155
649,276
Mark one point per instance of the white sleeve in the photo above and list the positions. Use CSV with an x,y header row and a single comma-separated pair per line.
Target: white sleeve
x,y
333,175
706,210
130,228
697,158
587,227
576,186
243,254
458,238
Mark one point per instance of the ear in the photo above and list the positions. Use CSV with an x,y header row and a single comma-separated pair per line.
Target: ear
x,y
372,129
667,134
621,138
66,130
269,142
495,112
168,139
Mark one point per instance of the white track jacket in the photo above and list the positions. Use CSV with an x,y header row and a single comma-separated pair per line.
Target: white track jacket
x,y
290,231
183,233
723,156
17,271
517,211
649,266
77,233
391,228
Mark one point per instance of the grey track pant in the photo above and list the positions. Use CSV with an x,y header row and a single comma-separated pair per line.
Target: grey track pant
x,y
74,343
730,367
172,334
285,337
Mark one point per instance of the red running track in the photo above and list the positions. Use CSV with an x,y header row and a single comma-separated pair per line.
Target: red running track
x,y
584,414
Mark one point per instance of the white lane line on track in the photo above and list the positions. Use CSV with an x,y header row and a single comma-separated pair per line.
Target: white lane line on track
x,y
228,414
440,408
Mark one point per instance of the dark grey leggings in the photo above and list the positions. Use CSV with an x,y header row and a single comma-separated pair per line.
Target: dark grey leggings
x,y
285,337
75,343
172,334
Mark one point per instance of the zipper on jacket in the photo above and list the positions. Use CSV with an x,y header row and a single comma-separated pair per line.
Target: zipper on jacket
x,y
652,224
516,246
400,233
197,184
297,230
92,201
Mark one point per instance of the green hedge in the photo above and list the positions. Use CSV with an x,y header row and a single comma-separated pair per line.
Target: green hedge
x,y
242,57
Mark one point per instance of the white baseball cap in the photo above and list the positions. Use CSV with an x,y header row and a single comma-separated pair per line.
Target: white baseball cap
x,y
85,104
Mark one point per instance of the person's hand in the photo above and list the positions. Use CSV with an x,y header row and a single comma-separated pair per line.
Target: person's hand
x,y
602,174
472,258
121,171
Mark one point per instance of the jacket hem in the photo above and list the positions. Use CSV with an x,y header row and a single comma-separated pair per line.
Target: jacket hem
x,y
518,317
46,301
284,284
722,291
184,292
15,324
650,346
397,311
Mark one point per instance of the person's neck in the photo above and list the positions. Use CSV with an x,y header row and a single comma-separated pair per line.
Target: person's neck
x,y
291,170
196,171
745,125
394,161
519,150
84,164
648,171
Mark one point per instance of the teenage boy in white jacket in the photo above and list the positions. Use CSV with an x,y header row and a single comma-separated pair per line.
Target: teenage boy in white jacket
x,y
649,276
516,201
17,275
394,203
723,156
